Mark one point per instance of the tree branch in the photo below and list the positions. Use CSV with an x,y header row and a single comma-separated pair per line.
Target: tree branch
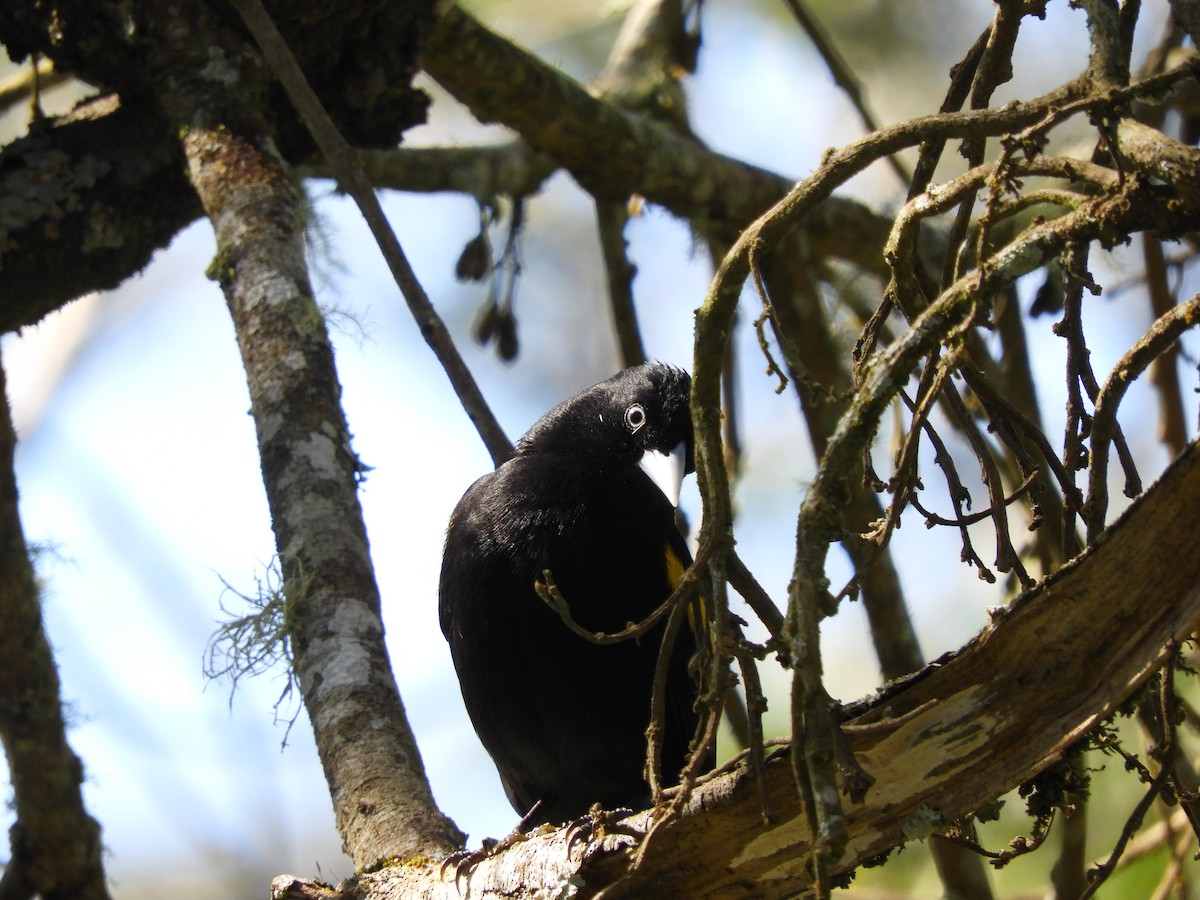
x,y
381,798
1158,340
80,211
614,153
55,843
111,236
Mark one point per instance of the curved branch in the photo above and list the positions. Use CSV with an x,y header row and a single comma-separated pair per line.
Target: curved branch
x,y
1161,336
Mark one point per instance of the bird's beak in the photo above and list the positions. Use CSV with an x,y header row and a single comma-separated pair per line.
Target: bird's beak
x,y
666,470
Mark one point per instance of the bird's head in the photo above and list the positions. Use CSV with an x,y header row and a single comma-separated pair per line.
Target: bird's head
x,y
639,416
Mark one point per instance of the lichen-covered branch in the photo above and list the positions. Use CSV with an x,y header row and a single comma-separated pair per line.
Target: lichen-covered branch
x,y
381,799
82,207
99,244
80,210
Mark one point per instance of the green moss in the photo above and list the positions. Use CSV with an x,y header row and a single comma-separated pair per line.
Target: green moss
x,y
221,270
412,861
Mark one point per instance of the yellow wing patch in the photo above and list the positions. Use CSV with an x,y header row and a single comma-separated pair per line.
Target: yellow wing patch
x,y
697,612
674,567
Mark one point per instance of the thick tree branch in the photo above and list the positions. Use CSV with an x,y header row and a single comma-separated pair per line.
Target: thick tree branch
x,y
614,153
381,799
941,745
83,207
717,194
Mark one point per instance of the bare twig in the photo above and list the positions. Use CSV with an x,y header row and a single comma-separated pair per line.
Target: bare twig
x,y
756,706
1161,336
995,68
686,590
1019,846
658,699
932,518
611,218
752,592
1100,874
1007,558
843,76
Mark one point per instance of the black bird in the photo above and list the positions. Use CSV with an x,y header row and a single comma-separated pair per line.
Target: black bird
x,y
563,718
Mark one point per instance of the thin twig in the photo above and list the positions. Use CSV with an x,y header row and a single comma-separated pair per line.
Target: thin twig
x,y
688,587
1161,336
1007,558
1164,371
1019,846
995,68
1017,426
611,218
932,518
843,76
715,678
1100,874
756,705
658,700
962,75
902,483
752,592
1070,328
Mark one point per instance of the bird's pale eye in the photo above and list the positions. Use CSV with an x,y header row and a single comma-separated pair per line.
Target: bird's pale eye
x,y
635,417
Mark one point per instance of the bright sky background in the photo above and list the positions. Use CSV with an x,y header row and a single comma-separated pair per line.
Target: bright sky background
x,y
140,479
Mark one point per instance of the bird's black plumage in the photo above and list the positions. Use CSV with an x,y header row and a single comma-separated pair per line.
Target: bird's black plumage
x,y
564,719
